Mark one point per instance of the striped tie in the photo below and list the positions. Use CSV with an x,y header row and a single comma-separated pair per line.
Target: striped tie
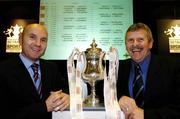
x,y
36,78
138,87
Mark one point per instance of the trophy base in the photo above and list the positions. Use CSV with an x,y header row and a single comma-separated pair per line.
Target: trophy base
x,y
91,101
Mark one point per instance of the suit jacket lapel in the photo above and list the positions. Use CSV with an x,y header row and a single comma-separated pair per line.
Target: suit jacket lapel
x,y
44,79
124,75
128,65
152,75
26,78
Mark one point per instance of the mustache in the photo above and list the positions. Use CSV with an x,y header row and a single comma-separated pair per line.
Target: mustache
x,y
136,48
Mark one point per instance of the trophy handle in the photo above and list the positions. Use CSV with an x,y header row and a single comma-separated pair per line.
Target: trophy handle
x,y
85,61
101,67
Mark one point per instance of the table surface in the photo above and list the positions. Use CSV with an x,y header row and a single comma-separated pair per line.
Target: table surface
x,y
88,113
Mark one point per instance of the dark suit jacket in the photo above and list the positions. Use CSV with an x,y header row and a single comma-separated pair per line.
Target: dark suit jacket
x,y
19,98
162,95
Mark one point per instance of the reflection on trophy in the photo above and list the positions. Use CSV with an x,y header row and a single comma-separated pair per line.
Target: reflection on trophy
x,y
93,71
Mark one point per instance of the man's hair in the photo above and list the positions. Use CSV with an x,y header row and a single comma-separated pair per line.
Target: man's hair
x,y
141,26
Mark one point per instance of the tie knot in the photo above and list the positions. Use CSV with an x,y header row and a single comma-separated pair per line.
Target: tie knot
x,y
137,67
34,66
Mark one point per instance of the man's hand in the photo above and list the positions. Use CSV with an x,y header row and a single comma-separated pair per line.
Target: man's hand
x,y
130,109
137,113
57,101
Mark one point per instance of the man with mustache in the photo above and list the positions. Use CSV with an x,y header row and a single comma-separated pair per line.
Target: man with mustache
x,y
158,95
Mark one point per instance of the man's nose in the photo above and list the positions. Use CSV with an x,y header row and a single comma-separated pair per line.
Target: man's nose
x,y
38,42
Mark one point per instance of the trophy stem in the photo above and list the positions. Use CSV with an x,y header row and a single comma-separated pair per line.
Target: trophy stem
x,y
92,100
93,90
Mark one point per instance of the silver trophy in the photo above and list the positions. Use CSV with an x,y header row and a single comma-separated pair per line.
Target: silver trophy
x,y
93,72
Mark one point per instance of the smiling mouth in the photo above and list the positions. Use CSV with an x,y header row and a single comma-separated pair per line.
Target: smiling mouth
x,y
136,50
35,49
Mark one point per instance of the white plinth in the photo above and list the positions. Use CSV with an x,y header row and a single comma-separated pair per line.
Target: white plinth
x,y
88,113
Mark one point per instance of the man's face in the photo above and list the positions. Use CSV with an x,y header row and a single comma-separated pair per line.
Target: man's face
x,y
34,42
138,45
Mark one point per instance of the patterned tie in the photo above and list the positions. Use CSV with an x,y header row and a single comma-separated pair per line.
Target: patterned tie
x,y
138,87
34,67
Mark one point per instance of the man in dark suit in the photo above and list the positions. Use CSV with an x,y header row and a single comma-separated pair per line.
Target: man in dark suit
x,y
160,79
23,97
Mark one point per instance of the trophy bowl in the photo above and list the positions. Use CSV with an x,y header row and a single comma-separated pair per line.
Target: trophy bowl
x,y
93,72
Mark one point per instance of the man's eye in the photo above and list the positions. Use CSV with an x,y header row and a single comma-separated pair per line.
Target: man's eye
x,y
140,39
32,37
130,40
44,40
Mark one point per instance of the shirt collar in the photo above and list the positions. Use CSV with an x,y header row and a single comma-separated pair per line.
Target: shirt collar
x,y
27,62
144,64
